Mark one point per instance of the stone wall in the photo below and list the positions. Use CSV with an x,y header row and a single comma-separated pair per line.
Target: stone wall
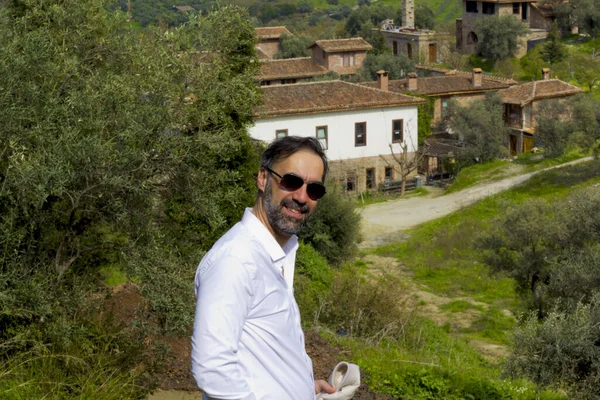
x,y
355,169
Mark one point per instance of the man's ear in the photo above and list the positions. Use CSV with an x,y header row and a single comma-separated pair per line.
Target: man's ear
x,y
261,179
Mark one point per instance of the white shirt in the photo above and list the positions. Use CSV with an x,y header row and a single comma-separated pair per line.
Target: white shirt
x,y
247,341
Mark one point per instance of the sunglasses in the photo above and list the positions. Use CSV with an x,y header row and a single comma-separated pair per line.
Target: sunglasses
x,y
292,182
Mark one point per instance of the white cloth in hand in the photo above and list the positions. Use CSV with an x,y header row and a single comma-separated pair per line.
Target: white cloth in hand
x,y
345,379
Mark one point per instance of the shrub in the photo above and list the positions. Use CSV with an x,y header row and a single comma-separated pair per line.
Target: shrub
x,y
334,229
312,283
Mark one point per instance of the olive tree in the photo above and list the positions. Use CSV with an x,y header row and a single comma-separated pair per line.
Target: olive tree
x,y
115,141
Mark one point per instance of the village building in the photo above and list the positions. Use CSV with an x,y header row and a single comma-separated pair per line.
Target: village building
x,y
344,56
289,70
523,101
538,19
269,39
420,45
463,87
358,126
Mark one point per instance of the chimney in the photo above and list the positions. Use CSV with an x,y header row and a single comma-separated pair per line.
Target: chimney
x,y
545,73
412,81
382,80
477,77
408,14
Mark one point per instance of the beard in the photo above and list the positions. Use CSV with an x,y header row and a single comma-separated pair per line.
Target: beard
x,y
280,222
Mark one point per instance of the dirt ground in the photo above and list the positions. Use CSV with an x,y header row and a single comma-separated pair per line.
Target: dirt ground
x,y
177,383
382,222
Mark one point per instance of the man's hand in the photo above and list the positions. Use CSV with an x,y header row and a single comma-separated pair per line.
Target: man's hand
x,y
322,386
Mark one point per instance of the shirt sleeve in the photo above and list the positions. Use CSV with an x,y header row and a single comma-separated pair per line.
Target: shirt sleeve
x,y
224,295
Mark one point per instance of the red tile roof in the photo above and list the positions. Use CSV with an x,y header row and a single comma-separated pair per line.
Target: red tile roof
x,y
326,96
460,83
290,68
538,90
271,32
341,45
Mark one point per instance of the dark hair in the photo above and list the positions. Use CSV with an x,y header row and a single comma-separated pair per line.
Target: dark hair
x,y
282,148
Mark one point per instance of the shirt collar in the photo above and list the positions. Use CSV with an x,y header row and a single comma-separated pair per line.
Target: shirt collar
x,y
276,252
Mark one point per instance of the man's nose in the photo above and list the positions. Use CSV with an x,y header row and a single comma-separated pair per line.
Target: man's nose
x,y
300,195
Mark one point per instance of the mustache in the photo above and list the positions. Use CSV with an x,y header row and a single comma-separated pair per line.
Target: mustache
x,y
293,204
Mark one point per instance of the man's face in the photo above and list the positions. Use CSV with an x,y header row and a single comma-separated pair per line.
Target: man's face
x,y
288,211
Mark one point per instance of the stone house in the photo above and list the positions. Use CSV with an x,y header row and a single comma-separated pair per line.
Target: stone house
x,y
344,56
356,125
464,87
420,45
521,103
536,17
269,39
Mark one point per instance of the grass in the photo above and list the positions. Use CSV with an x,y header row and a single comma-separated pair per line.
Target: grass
x,y
429,361
441,257
500,169
434,365
368,198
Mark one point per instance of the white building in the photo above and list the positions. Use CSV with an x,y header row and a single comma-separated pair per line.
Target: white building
x,y
355,124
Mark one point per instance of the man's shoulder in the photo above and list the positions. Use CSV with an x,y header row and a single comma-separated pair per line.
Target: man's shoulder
x,y
240,244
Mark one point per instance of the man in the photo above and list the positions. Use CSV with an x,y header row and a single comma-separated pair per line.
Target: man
x,y
247,341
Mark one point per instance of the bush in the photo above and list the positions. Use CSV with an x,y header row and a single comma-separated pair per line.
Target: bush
x,y
312,283
374,309
334,229
561,351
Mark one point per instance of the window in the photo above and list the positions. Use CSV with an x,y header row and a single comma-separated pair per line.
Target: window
x,y
279,133
472,38
348,60
524,14
370,178
488,8
265,83
360,134
516,8
444,107
395,48
350,181
397,130
322,136
389,173
471,6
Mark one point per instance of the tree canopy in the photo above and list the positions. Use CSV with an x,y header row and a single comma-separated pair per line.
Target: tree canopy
x,y
481,126
499,36
116,142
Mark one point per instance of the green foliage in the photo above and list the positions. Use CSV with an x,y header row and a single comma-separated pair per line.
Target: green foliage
x,y
362,19
396,66
555,133
294,46
498,36
312,283
481,126
587,16
122,150
82,357
561,351
424,119
424,17
160,12
334,229
553,50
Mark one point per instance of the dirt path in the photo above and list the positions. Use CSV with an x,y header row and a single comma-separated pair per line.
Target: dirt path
x,y
383,222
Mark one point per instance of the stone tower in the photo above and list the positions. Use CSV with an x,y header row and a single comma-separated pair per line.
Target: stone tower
x,y
408,14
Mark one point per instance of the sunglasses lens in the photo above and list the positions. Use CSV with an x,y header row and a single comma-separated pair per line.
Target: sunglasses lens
x,y
291,182
315,191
